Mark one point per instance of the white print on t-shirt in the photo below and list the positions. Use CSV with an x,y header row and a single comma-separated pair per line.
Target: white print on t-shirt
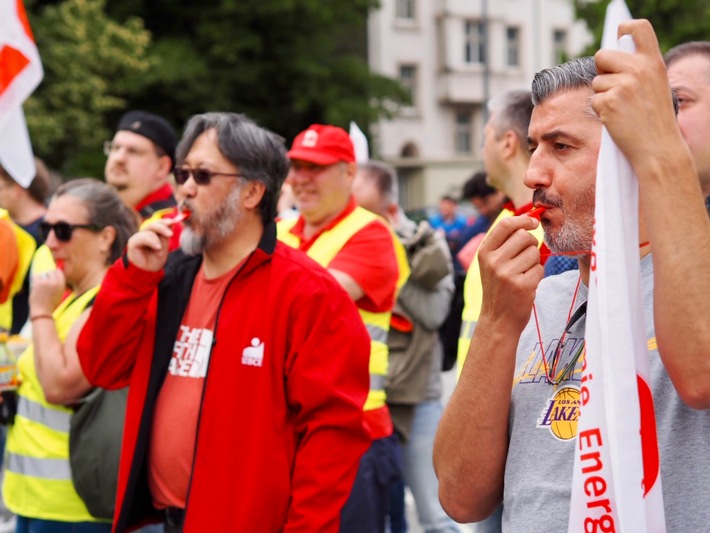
x,y
253,355
191,352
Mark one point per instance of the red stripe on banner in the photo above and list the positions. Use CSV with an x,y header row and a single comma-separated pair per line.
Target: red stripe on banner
x,y
22,15
649,443
12,62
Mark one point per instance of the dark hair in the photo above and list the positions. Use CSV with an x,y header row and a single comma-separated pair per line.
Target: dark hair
x,y
259,154
477,186
41,186
681,51
105,208
512,112
384,178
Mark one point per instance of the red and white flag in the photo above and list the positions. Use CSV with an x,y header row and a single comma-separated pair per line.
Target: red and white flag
x,y
20,73
616,485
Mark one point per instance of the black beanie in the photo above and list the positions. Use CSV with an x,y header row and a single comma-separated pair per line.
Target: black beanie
x,y
153,127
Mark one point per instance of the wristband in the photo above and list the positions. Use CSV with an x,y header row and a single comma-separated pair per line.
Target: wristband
x,y
37,317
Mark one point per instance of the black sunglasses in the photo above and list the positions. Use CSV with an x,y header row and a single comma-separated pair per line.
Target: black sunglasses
x,y
202,176
63,230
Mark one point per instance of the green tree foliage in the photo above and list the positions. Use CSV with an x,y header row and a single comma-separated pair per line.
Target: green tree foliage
x,y
285,63
91,64
675,21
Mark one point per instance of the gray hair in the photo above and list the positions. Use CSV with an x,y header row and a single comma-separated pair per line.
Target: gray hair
x,y
512,111
384,178
259,154
576,74
105,209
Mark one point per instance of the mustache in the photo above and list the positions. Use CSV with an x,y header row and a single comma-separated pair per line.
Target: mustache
x,y
541,197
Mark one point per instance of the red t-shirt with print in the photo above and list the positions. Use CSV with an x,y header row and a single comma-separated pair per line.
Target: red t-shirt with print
x,y
174,432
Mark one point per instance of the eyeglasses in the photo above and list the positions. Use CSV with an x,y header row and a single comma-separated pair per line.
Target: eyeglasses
x,y
111,148
553,377
63,230
202,176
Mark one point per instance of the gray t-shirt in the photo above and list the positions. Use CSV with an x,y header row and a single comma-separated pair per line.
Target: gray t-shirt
x,y
543,424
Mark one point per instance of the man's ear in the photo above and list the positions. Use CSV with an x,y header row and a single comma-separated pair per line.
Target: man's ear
x,y
510,144
253,193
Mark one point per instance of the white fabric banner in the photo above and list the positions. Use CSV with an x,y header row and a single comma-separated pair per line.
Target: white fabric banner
x,y
616,485
360,144
20,73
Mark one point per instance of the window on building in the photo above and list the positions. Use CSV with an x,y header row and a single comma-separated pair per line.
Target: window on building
x,y
406,9
463,135
559,47
512,46
475,42
408,79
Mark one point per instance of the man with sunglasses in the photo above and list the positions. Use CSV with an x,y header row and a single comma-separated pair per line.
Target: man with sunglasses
x,y
358,249
510,430
140,158
247,363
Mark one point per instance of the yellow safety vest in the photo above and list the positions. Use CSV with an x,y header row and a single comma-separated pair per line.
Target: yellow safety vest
x,y
38,480
473,294
26,248
323,251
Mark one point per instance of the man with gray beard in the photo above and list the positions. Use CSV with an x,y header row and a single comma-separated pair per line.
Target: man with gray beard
x,y
247,362
500,440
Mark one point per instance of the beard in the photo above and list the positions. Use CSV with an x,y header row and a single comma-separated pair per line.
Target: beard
x,y
574,237
213,227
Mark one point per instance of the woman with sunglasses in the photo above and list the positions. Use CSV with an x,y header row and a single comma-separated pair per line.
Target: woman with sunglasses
x,y
86,228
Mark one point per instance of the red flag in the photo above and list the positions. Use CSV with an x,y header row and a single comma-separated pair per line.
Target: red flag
x,y
20,73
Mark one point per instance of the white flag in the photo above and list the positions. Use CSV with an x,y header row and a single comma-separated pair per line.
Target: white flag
x,y
360,144
20,73
616,484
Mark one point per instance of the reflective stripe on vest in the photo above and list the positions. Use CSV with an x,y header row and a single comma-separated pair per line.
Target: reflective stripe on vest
x,y
47,416
38,476
473,294
323,251
26,247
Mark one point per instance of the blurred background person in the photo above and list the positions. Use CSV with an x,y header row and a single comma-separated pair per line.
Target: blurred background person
x,y
688,66
449,221
86,227
26,208
413,383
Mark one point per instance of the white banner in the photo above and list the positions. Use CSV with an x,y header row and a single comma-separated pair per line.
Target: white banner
x,y
616,485
20,73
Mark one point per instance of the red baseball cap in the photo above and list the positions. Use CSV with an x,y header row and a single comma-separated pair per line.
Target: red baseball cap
x,y
323,145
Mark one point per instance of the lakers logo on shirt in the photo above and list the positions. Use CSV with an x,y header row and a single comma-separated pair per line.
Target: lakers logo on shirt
x,y
561,413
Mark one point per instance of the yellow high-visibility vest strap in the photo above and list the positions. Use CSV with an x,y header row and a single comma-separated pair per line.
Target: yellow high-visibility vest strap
x,y
38,476
377,325
473,294
402,261
323,251
158,215
26,246
332,240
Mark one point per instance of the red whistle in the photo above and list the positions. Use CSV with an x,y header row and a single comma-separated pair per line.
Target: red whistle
x,y
182,215
536,212
59,263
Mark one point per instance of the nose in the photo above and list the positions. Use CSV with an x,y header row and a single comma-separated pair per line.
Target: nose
x,y
539,172
188,189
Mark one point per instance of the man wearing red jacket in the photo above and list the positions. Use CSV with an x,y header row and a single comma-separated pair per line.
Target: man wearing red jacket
x,y
247,363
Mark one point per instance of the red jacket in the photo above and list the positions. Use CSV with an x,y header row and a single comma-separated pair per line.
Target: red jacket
x,y
278,445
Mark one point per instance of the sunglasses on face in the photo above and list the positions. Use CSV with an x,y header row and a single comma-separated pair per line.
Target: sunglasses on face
x,y
63,230
202,176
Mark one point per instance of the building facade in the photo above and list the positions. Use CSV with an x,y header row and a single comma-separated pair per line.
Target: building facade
x,y
452,56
